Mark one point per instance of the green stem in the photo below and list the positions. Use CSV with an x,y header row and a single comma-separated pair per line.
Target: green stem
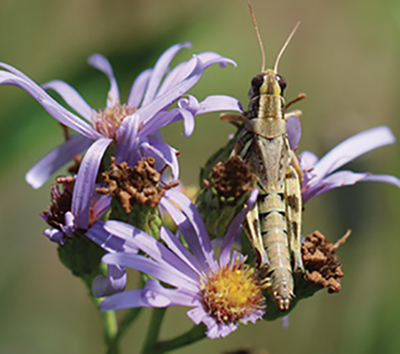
x,y
110,325
195,334
154,331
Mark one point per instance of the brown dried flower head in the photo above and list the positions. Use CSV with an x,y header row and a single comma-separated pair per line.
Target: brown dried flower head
x,y
127,184
61,199
321,261
231,179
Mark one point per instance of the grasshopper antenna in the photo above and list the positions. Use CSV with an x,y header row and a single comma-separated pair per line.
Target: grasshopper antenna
x,y
253,17
285,45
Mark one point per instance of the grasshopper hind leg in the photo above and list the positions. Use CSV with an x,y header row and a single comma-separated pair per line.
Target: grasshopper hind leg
x,y
293,212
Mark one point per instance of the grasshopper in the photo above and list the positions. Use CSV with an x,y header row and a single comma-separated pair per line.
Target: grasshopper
x,y
274,225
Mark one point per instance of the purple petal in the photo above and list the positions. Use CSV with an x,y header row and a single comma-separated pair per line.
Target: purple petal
x,y
212,57
150,246
217,103
163,101
177,75
383,178
127,139
180,250
293,129
234,227
200,236
111,243
48,103
153,289
85,182
187,230
351,148
215,330
101,204
124,300
153,295
162,151
55,159
55,235
345,178
138,88
114,282
160,120
71,97
209,59
307,160
160,70
160,269
101,63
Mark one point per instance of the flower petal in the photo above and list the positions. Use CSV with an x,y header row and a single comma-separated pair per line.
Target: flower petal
x,y
71,97
174,296
101,63
114,282
138,88
159,269
55,159
345,178
293,129
153,295
209,58
186,229
181,251
350,149
307,160
163,154
219,103
101,204
111,243
124,300
199,239
150,246
47,102
85,182
127,141
234,227
160,120
166,99
160,70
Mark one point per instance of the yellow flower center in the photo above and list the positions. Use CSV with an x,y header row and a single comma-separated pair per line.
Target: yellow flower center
x,y
233,292
108,120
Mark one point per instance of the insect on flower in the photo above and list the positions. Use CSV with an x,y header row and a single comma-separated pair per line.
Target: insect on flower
x,y
274,225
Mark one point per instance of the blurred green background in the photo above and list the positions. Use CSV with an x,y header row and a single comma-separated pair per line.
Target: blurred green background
x,y
345,56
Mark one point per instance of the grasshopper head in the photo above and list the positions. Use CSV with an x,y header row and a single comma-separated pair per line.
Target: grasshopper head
x,y
267,83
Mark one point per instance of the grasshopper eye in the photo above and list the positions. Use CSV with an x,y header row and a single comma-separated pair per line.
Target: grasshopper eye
x,y
256,83
281,82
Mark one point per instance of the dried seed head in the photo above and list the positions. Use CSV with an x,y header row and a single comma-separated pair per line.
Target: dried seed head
x,y
108,120
61,199
233,292
231,179
321,261
134,184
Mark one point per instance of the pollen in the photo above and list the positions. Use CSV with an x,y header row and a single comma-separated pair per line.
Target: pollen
x,y
108,120
233,293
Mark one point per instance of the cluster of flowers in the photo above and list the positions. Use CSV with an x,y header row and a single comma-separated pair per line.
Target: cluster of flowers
x,y
184,268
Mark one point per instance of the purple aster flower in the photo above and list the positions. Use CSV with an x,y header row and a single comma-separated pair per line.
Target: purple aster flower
x,y
318,176
220,291
133,126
